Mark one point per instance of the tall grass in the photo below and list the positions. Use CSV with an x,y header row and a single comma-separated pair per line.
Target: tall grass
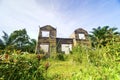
x,y
98,63
21,67
88,64
83,64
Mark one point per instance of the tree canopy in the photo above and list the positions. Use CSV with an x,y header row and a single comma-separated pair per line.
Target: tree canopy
x,y
103,35
19,40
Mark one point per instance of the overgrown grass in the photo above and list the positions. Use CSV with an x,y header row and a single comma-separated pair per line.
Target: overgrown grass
x,y
21,67
88,64
83,64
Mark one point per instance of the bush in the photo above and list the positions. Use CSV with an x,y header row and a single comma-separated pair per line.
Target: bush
x,y
22,69
61,57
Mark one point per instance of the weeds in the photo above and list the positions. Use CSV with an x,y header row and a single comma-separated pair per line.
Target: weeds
x,y
21,67
83,64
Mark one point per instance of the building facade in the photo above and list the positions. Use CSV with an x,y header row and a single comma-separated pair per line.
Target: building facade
x,y
48,42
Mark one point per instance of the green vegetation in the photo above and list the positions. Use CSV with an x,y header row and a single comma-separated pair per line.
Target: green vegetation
x,y
102,36
88,64
18,40
84,64
101,62
21,67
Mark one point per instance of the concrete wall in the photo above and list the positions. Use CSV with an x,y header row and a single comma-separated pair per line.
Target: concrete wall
x,y
80,37
62,43
51,39
48,42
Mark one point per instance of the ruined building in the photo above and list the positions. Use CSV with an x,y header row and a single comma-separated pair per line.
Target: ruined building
x,y
48,42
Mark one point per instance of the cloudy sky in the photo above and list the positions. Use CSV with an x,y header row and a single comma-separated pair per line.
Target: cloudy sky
x,y
65,15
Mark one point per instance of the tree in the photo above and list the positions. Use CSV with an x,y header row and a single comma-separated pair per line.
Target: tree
x,y
103,35
21,41
4,42
1,44
30,47
18,40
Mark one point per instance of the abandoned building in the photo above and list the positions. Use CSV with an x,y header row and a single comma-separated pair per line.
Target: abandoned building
x,y
49,43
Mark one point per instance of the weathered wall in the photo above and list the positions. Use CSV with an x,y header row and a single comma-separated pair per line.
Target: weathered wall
x,y
76,37
60,41
57,44
51,40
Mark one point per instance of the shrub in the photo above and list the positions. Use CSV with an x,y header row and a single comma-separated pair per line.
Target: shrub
x,y
22,69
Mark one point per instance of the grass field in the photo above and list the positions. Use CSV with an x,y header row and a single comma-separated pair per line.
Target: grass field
x,y
83,64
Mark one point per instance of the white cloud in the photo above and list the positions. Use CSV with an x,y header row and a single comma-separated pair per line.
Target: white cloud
x,y
65,15
21,14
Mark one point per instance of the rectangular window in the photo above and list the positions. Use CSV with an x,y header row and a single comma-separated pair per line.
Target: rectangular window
x,y
45,33
81,36
66,48
45,47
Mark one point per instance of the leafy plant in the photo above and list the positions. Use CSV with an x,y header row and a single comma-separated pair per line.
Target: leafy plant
x,y
22,68
101,36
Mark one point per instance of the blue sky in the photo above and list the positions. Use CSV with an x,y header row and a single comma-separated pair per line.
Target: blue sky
x,y
65,15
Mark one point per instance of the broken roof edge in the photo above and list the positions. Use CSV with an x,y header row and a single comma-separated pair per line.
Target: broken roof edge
x,y
47,26
80,29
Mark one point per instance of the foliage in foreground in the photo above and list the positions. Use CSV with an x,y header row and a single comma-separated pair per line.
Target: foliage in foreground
x,y
21,67
88,64
83,64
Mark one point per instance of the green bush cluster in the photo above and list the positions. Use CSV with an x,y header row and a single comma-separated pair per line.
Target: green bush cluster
x,y
59,57
102,63
98,63
21,67
83,64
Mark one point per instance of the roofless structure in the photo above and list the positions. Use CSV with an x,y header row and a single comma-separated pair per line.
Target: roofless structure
x,y
48,42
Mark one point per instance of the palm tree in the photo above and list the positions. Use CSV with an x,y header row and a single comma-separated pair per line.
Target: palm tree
x,y
103,35
31,45
21,41
1,44
18,40
4,42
